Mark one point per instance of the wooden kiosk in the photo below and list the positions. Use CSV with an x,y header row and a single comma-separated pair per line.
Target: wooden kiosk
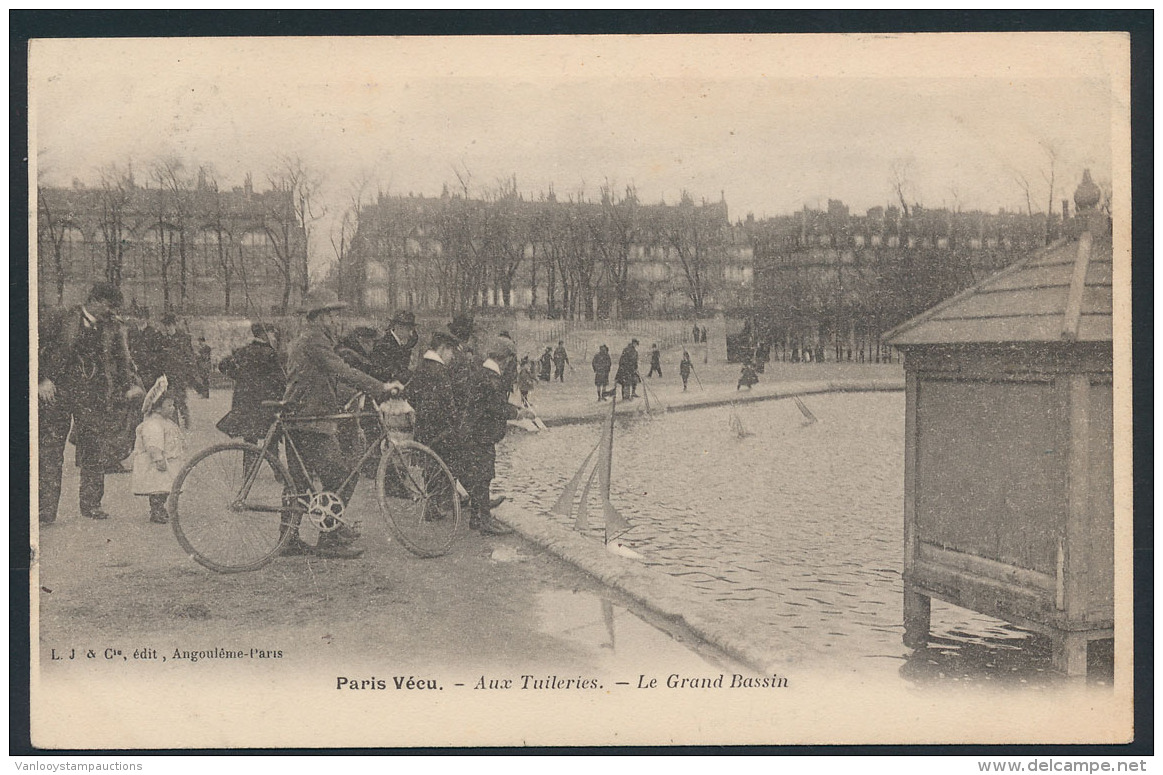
x,y
1009,472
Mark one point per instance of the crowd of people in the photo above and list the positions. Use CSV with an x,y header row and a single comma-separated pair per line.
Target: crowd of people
x,y
117,385
95,367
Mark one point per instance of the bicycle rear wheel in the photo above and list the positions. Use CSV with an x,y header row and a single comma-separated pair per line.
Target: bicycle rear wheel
x,y
215,525
417,495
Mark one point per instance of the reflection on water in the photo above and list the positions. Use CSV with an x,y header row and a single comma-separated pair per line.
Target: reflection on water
x,y
613,639
797,528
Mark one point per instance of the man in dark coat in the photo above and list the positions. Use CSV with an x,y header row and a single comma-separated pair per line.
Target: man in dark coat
x,y
257,371
314,371
560,359
87,379
627,374
484,425
602,364
655,361
392,356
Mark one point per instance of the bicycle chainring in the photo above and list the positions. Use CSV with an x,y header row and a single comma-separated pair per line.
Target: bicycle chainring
x,y
325,510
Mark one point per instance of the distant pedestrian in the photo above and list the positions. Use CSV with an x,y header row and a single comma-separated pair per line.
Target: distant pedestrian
x,y
560,359
684,368
703,338
655,361
762,355
695,332
158,450
546,364
526,379
627,375
202,359
509,372
602,364
747,377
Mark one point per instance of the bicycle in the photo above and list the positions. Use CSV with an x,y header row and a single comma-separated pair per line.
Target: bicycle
x,y
234,506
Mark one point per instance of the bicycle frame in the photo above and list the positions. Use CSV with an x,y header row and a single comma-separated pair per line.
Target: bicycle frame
x,y
281,428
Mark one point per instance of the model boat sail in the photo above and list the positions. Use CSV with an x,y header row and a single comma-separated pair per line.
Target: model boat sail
x,y
589,472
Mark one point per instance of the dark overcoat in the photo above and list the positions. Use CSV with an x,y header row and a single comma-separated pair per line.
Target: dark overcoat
x,y
484,425
438,419
258,376
627,367
602,364
91,381
391,359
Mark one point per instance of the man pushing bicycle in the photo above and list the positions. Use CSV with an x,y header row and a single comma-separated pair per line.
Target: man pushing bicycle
x,y
313,371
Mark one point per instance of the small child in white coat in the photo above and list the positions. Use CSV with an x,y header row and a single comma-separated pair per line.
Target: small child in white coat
x,y
158,450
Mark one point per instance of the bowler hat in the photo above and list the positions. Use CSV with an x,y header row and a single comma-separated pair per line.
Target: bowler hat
x,y
321,300
404,318
462,327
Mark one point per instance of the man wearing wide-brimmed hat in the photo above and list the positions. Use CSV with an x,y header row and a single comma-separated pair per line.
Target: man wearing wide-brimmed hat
x,y
392,355
313,371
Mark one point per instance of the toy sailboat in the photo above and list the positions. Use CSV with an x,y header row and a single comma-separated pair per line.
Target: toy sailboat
x,y
600,471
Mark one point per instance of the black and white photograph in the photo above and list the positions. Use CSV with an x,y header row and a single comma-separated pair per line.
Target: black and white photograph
x,y
580,390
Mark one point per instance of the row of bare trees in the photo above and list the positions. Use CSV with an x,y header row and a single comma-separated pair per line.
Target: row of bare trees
x,y
574,256
151,225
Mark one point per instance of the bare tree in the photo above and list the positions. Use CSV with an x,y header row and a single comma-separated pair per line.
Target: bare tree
x,y
1048,176
1024,183
175,214
115,185
616,231
695,234
508,236
350,270
901,182
52,225
293,219
216,220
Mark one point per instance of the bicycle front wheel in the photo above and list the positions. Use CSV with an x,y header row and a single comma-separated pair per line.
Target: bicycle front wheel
x,y
418,498
220,525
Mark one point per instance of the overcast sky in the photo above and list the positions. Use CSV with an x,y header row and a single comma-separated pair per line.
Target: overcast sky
x,y
772,122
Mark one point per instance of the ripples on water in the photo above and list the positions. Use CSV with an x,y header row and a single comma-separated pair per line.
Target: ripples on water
x,y
797,527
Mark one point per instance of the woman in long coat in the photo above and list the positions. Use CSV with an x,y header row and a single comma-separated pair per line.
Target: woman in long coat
x,y
601,364
627,374
258,376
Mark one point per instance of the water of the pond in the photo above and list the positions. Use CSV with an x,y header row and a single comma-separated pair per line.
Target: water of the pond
x,y
796,527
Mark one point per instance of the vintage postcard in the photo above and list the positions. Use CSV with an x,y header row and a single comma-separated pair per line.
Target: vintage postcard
x,y
395,392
